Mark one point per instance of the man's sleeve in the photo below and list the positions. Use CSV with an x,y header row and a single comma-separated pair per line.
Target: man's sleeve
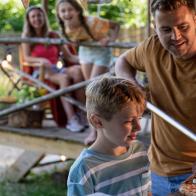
x,y
139,56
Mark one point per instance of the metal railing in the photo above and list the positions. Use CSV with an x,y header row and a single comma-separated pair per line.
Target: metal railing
x,y
172,121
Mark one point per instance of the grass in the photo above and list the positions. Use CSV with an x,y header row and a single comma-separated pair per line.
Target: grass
x,y
42,185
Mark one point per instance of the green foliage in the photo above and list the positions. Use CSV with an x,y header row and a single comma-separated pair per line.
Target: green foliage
x,y
126,12
27,93
11,16
110,12
38,186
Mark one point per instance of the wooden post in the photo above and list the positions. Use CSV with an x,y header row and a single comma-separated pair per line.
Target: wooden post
x,y
45,5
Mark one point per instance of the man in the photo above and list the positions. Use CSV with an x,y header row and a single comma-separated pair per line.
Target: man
x,y
169,60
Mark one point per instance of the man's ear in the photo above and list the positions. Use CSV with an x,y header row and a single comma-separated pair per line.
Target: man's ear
x,y
96,121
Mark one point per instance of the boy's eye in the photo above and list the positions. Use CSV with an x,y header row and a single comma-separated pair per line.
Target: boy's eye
x,y
128,122
133,120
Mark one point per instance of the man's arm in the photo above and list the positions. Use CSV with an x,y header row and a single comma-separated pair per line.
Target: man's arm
x,y
124,69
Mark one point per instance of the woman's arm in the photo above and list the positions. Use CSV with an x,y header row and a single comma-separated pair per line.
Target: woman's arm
x,y
38,61
112,35
69,56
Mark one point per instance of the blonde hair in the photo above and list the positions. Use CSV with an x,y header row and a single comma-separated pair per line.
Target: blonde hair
x,y
108,95
28,30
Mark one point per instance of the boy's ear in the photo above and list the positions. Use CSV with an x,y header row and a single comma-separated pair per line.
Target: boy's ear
x,y
96,121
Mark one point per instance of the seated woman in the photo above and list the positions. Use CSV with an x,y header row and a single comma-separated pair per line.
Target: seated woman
x,y
36,25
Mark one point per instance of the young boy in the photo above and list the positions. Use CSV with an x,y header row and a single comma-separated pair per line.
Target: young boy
x,y
114,164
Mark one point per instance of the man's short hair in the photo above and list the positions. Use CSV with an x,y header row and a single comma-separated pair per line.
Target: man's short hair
x,y
169,5
107,95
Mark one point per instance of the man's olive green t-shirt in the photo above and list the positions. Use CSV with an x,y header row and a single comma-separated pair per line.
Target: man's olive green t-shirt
x,y
172,84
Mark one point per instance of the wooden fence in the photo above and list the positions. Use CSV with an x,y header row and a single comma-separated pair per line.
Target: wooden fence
x,y
126,35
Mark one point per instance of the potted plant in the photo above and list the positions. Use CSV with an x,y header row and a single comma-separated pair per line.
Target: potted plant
x,y
29,117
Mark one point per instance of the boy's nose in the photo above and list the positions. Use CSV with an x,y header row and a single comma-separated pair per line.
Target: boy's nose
x,y
136,125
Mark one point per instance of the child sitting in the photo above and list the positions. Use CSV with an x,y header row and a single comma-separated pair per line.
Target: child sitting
x,y
116,163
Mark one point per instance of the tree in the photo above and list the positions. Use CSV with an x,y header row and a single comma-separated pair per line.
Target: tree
x,y
11,16
126,12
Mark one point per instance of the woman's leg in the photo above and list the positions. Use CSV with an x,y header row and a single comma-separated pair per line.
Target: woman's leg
x,y
63,81
86,70
76,76
98,70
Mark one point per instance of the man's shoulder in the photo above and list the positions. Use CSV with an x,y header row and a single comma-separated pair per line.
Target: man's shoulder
x,y
152,42
149,46
152,37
